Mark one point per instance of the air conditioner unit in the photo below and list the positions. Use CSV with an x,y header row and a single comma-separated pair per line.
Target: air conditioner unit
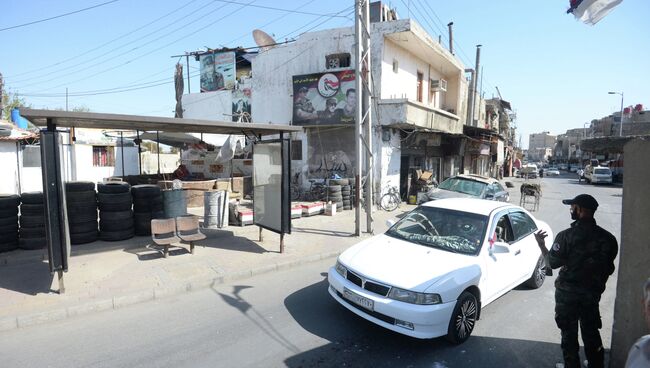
x,y
439,85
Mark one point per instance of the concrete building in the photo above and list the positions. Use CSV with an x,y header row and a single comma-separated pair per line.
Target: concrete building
x,y
538,144
419,107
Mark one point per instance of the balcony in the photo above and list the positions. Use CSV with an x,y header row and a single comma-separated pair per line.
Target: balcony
x,y
407,114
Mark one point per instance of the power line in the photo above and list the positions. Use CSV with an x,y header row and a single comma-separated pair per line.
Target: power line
x,y
129,33
280,9
57,16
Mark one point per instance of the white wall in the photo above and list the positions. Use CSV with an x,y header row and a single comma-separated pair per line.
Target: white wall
x,y
389,170
8,167
208,105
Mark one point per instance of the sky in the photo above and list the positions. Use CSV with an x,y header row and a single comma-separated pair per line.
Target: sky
x,y
118,56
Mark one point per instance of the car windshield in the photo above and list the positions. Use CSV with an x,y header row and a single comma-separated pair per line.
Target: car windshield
x,y
463,185
449,230
602,171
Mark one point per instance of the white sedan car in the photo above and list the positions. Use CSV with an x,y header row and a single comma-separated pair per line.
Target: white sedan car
x,y
433,270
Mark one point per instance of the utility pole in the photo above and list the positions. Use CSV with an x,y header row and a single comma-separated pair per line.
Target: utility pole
x,y
363,121
475,81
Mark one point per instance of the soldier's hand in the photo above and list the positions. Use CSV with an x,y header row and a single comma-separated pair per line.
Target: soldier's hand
x,y
540,236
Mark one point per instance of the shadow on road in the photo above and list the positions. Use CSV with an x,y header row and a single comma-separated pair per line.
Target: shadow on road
x,y
355,342
30,278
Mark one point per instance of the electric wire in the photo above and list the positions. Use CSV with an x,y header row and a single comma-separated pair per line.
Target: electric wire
x,y
57,16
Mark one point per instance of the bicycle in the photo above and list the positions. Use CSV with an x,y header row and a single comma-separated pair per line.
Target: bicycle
x,y
390,200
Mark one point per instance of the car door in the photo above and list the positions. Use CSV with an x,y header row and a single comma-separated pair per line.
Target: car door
x,y
524,228
500,277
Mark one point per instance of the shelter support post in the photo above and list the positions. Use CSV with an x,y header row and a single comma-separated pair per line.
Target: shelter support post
x,y
260,234
281,242
61,283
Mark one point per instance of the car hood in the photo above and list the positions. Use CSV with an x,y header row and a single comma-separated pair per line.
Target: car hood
x,y
403,264
443,193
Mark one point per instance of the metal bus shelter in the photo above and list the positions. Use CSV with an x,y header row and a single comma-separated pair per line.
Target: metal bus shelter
x,y
271,174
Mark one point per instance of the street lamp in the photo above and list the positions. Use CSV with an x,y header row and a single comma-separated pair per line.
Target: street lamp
x,y
620,131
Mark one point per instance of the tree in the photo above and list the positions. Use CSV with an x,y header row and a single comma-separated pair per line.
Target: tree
x,y
11,101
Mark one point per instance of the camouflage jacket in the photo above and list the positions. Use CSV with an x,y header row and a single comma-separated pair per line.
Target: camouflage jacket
x,y
585,252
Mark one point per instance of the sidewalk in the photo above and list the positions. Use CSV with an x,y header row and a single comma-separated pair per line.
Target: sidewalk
x,y
111,275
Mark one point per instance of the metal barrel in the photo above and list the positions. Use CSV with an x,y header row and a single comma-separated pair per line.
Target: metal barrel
x,y
174,203
215,206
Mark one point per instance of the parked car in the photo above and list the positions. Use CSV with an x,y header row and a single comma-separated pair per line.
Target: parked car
x,y
600,175
529,170
552,171
430,274
467,186
563,167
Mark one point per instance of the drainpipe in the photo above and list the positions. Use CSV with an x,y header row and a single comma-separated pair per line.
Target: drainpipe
x,y
475,79
451,37
470,97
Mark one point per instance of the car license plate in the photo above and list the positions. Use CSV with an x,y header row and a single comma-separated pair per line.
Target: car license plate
x,y
358,299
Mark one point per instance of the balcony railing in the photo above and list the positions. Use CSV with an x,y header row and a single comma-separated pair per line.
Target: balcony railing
x,y
408,114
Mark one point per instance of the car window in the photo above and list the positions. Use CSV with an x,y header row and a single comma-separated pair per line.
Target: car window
x,y
503,230
522,224
498,188
449,230
462,185
491,190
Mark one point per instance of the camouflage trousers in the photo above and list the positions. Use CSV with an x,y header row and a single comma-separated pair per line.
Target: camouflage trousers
x,y
572,309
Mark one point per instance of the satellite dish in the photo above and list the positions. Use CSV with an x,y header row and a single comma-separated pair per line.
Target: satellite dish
x,y
263,40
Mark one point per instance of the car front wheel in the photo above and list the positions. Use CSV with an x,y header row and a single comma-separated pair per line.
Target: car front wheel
x,y
536,280
463,318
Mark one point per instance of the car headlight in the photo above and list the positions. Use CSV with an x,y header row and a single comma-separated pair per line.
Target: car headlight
x,y
341,269
413,297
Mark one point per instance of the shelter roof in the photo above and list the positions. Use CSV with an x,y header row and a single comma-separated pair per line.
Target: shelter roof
x,y
150,123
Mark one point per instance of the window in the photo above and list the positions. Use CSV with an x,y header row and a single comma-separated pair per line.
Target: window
x,y
32,156
395,66
522,224
103,156
296,150
503,230
432,93
420,86
334,61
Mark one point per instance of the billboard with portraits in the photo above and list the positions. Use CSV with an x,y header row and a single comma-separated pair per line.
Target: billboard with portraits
x,y
217,71
324,99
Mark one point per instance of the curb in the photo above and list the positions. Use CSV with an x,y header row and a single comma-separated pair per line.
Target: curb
x,y
158,293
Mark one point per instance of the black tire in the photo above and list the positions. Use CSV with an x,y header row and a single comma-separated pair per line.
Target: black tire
x,y
114,197
8,230
11,220
536,280
116,215
83,238
116,235
32,209
115,225
81,217
32,221
113,187
347,203
8,212
32,243
31,233
339,182
463,318
334,189
76,198
115,206
145,191
83,227
74,208
8,201
7,246
148,207
388,202
31,198
79,186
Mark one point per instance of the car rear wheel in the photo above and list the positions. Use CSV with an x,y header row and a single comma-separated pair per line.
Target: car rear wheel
x,y
536,280
463,318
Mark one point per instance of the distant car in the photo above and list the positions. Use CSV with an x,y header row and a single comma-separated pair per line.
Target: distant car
x,y
573,168
601,175
467,186
430,274
552,171
562,166
529,170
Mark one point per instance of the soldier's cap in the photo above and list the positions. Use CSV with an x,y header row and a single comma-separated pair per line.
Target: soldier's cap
x,y
584,201
303,89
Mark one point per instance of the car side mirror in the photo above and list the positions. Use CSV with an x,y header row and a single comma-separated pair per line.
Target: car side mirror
x,y
390,223
489,196
499,247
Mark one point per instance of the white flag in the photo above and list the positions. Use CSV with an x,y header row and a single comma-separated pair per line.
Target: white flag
x,y
592,11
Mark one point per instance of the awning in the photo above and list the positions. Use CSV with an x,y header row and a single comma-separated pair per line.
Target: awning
x,y
173,139
93,120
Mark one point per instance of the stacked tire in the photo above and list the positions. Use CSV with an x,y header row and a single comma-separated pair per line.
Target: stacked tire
x,y
147,205
9,222
334,195
341,193
32,221
81,201
115,213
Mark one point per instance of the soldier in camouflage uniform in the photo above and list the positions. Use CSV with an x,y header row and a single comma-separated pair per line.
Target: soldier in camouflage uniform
x,y
585,252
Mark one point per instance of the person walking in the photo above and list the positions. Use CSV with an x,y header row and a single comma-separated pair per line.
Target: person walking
x,y
585,252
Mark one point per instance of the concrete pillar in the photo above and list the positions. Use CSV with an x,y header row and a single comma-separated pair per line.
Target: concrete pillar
x,y
634,254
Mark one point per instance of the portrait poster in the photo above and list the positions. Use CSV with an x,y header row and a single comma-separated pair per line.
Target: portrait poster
x,y
217,71
241,105
324,99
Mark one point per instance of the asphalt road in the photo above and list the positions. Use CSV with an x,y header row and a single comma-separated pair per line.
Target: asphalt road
x,y
288,319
